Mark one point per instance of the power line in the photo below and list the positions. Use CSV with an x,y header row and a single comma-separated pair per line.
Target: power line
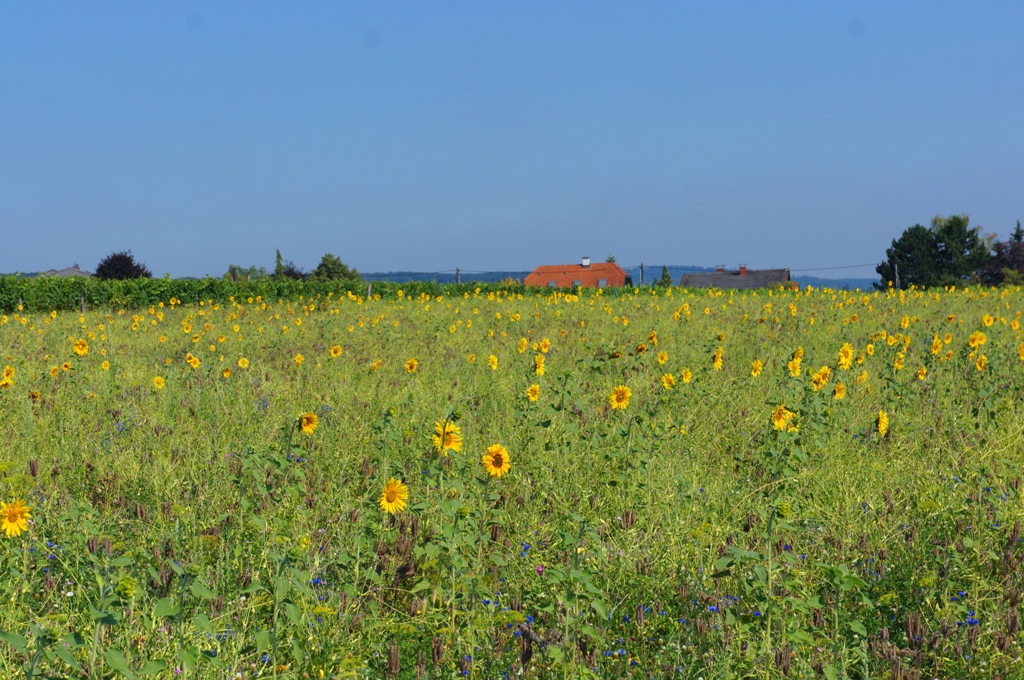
x,y
848,266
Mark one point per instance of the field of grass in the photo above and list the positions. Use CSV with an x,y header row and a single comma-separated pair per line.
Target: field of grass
x,y
702,484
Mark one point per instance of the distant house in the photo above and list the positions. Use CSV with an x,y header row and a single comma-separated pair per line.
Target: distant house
x,y
584,275
66,272
741,278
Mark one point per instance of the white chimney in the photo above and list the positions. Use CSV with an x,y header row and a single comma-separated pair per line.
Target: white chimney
x,y
586,261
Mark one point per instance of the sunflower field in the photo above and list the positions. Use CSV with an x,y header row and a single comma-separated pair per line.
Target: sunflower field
x,y
640,483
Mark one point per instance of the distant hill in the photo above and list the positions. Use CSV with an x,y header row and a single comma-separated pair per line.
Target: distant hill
x,y
839,284
651,274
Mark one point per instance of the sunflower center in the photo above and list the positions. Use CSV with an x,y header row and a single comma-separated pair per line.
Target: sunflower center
x,y
391,495
497,460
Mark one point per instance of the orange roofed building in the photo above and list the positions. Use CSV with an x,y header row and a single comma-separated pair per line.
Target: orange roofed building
x,y
585,275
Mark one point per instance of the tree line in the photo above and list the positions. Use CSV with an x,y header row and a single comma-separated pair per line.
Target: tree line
x,y
121,266
951,252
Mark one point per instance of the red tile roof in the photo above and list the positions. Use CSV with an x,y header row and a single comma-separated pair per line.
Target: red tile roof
x,y
569,275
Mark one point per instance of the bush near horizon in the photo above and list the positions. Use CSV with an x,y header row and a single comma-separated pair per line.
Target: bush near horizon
x,y
120,266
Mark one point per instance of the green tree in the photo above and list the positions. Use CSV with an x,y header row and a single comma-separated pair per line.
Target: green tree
x,y
610,258
948,252
279,267
331,268
237,273
666,278
1018,234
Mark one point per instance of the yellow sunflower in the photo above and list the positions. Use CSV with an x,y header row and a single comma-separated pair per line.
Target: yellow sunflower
x,y
447,437
756,368
533,392
243,363
981,363
668,381
976,340
845,356
158,382
299,359
619,398
496,461
411,365
105,365
54,370
662,357
820,379
686,376
226,373
308,422
81,348
922,373
781,417
883,423
840,391
538,364
716,360
14,517
66,366
376,365
394,497
492,361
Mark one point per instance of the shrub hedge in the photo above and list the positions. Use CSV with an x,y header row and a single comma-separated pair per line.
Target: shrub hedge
x,y
49,293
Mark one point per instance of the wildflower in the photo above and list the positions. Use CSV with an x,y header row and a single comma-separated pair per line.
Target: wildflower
x,y
936,345
335,351
14,517
782,417
533,392
986,320
105,365
981,363
870,349
976,340
641,348
55,370
794,366
492,361
1020,351
447,437
496,461
243,363
411,365
662,357
158,383
686,376
839,391
716,360
66,366
538,364
756,368
226,373
299,359
921,373
821,378
81,348
394,497
883,423
545,346
308,422
375,366
619,398
522,345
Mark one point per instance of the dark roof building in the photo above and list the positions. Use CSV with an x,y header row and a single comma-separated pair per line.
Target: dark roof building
x,y
741,278
65,273
585,275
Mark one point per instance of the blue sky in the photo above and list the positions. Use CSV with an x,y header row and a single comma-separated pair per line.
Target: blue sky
x,y
426,136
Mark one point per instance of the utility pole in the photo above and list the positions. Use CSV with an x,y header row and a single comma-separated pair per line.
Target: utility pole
x,y
457,281
896,266
641,273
